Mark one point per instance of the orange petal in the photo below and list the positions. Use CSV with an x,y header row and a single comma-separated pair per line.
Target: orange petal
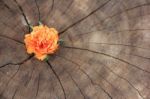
x,y
30,50
40,56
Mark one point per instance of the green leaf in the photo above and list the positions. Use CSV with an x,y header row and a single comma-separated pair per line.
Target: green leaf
x,y
61,42
47,58
31,27
40,23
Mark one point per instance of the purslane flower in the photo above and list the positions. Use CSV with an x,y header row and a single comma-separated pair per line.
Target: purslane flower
x,y
42,41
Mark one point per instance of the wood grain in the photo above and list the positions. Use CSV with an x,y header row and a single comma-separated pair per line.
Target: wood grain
x,y
106,51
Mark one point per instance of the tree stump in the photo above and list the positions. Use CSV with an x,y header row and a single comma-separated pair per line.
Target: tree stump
x,y
106,51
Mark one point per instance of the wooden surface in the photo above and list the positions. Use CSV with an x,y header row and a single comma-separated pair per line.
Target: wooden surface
x,y
106,53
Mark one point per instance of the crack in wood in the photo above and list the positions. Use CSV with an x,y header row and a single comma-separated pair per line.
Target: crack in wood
x,y
11,39
67,8
51,9
126,10
115,44
72,44
130,64
82,19
7,6
51,67
12,77
11,27
126,45
39,14
130,54
140,56
100,30
92,82
13,97
124,80
19,63
109,83
79,67
76,84
27,82
23,14
38,86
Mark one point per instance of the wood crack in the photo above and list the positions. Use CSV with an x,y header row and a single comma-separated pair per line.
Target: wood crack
x,y
13,97
126,10
102,29
79,67
68,7
109,83
96,84
23,14
76,85
39,14
130,64
51,67
11,78
7,7
126,45
19,63
92,82
38,86
11,39
51,9
27,82
82,19
123,79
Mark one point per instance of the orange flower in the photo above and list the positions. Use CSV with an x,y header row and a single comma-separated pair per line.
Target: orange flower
x,y
41,41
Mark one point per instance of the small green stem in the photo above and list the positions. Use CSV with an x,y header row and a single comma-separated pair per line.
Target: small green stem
x,y
40,23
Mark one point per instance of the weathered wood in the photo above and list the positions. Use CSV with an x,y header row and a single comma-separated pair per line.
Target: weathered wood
x,y
106,53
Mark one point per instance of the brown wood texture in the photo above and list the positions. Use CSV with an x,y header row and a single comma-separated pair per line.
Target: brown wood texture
x,y
106,51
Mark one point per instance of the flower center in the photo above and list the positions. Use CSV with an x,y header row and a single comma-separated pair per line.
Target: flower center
x,y
41,45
